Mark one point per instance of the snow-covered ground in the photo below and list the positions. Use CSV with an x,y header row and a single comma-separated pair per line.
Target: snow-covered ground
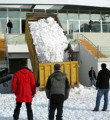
x,y
78,107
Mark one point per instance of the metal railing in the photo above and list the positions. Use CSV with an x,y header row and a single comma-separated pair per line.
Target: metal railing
x,y
81,36
85,38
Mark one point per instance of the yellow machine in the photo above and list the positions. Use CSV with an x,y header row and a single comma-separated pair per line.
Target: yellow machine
x,y
43,70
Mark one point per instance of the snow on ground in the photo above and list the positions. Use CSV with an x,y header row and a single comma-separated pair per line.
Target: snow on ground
x,y
78,107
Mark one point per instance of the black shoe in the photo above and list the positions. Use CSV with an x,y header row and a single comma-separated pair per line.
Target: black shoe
x,y
103,110
95,110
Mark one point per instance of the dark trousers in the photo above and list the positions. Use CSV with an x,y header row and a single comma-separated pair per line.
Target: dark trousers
x,y
56,102
9,29
100,93
17,111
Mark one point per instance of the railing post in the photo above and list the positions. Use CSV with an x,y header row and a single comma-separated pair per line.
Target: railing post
x,y
77,36
98,54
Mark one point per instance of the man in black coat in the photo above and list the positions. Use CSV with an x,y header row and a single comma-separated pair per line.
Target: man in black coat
x,y
10,26
102,85
57,90
92,76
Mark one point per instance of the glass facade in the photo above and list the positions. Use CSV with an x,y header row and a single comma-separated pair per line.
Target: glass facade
x,y
3,13
84,15
71,20
95,16
73,15
13,13
16,26
3,25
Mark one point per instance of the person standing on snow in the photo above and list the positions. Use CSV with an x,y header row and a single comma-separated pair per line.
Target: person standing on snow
x,y
24,87
102,85
57,90
92,76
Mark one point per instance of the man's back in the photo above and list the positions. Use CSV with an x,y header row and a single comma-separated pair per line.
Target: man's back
x,y
58,83
57,90
103,79
9,24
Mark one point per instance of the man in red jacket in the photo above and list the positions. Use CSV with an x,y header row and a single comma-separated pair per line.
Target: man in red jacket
x,y
24,87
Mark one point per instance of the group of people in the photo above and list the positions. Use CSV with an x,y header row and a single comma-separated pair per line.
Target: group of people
x,y
57,90
102,85
24,87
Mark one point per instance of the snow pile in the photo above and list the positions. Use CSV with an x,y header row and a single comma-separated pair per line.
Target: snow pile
x,y
49,40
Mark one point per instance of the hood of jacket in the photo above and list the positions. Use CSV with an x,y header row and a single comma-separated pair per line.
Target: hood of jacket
x,y
24,70
59,76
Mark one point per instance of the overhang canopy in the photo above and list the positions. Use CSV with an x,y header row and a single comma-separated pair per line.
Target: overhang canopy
x,y
97,3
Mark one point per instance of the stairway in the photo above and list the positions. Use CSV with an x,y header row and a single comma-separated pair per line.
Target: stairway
x,y
2,49
92,49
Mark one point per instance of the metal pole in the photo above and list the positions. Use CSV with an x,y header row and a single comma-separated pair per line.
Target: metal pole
x,y
101,25
67,27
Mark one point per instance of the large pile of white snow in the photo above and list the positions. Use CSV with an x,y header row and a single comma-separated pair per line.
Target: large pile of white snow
x,y
79,106
49,40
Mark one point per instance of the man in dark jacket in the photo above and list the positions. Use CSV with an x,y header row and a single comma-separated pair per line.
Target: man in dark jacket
x,y
92,76
24,87
10,26
102,85
70,51
57,90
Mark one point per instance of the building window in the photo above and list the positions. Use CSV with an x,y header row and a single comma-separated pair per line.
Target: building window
x,y
72,15
64,25
16,26
106,26
3,13
73,27
96,26
24,11
13,13
84,26
3,25
62,15
95,15
84,15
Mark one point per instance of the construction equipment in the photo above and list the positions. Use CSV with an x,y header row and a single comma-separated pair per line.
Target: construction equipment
x,y
43,70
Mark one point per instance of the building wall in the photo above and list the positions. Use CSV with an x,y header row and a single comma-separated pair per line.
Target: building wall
x,y
86,61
